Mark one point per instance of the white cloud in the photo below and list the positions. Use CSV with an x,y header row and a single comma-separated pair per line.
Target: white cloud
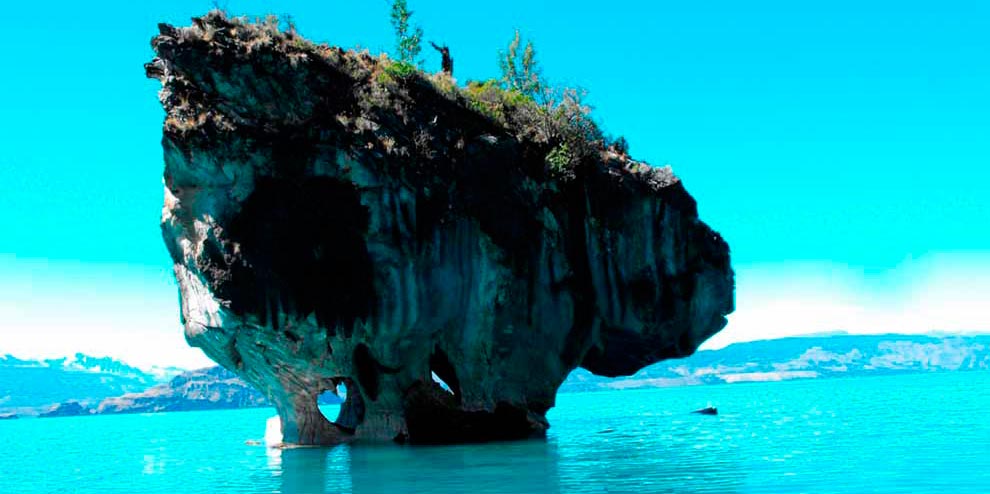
x,y
127,312
939,292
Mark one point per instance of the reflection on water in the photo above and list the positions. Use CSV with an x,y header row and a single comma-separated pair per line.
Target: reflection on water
x,y
529,466
619,463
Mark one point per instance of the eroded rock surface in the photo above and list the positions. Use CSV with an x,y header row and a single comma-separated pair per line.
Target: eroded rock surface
x,y
329,226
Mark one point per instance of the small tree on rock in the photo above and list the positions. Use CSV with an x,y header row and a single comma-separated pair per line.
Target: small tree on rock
x,y
408,37
519,70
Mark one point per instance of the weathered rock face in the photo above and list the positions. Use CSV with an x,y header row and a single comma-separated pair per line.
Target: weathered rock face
x,y
328,228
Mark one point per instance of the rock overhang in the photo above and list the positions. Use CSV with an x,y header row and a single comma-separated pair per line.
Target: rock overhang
x,y
330,228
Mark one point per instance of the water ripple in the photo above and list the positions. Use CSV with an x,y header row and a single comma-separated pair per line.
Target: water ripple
x,y
913,434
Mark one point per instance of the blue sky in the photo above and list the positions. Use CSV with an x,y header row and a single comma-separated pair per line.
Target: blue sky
x,y
842,150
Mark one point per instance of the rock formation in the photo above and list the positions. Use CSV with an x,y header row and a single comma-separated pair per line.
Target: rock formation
x,y
331,225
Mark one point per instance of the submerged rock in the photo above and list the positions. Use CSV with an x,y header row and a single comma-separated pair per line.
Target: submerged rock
x,y
332,225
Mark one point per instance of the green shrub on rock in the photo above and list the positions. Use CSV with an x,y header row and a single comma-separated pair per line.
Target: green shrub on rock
x,y
407,38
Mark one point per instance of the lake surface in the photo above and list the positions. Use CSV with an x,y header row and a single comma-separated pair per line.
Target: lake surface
x,y
901,434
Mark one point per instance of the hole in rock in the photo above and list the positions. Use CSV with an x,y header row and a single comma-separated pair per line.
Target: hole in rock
x,y
442,384
351,408
329,397
330,402
444,373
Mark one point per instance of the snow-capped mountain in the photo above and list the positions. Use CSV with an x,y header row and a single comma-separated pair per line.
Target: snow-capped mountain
x,y
30,383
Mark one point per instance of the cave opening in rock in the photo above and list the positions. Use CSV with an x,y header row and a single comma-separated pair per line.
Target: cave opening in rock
x,y
334,396
433,417
330,401
350,405
443,372
301,251
444,385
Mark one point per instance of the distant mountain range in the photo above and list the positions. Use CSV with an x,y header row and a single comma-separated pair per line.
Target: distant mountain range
x,y
28,384
82,385
85,385
804,358
213,388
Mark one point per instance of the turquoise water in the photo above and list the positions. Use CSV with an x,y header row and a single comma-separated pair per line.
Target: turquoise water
x,y
910,434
